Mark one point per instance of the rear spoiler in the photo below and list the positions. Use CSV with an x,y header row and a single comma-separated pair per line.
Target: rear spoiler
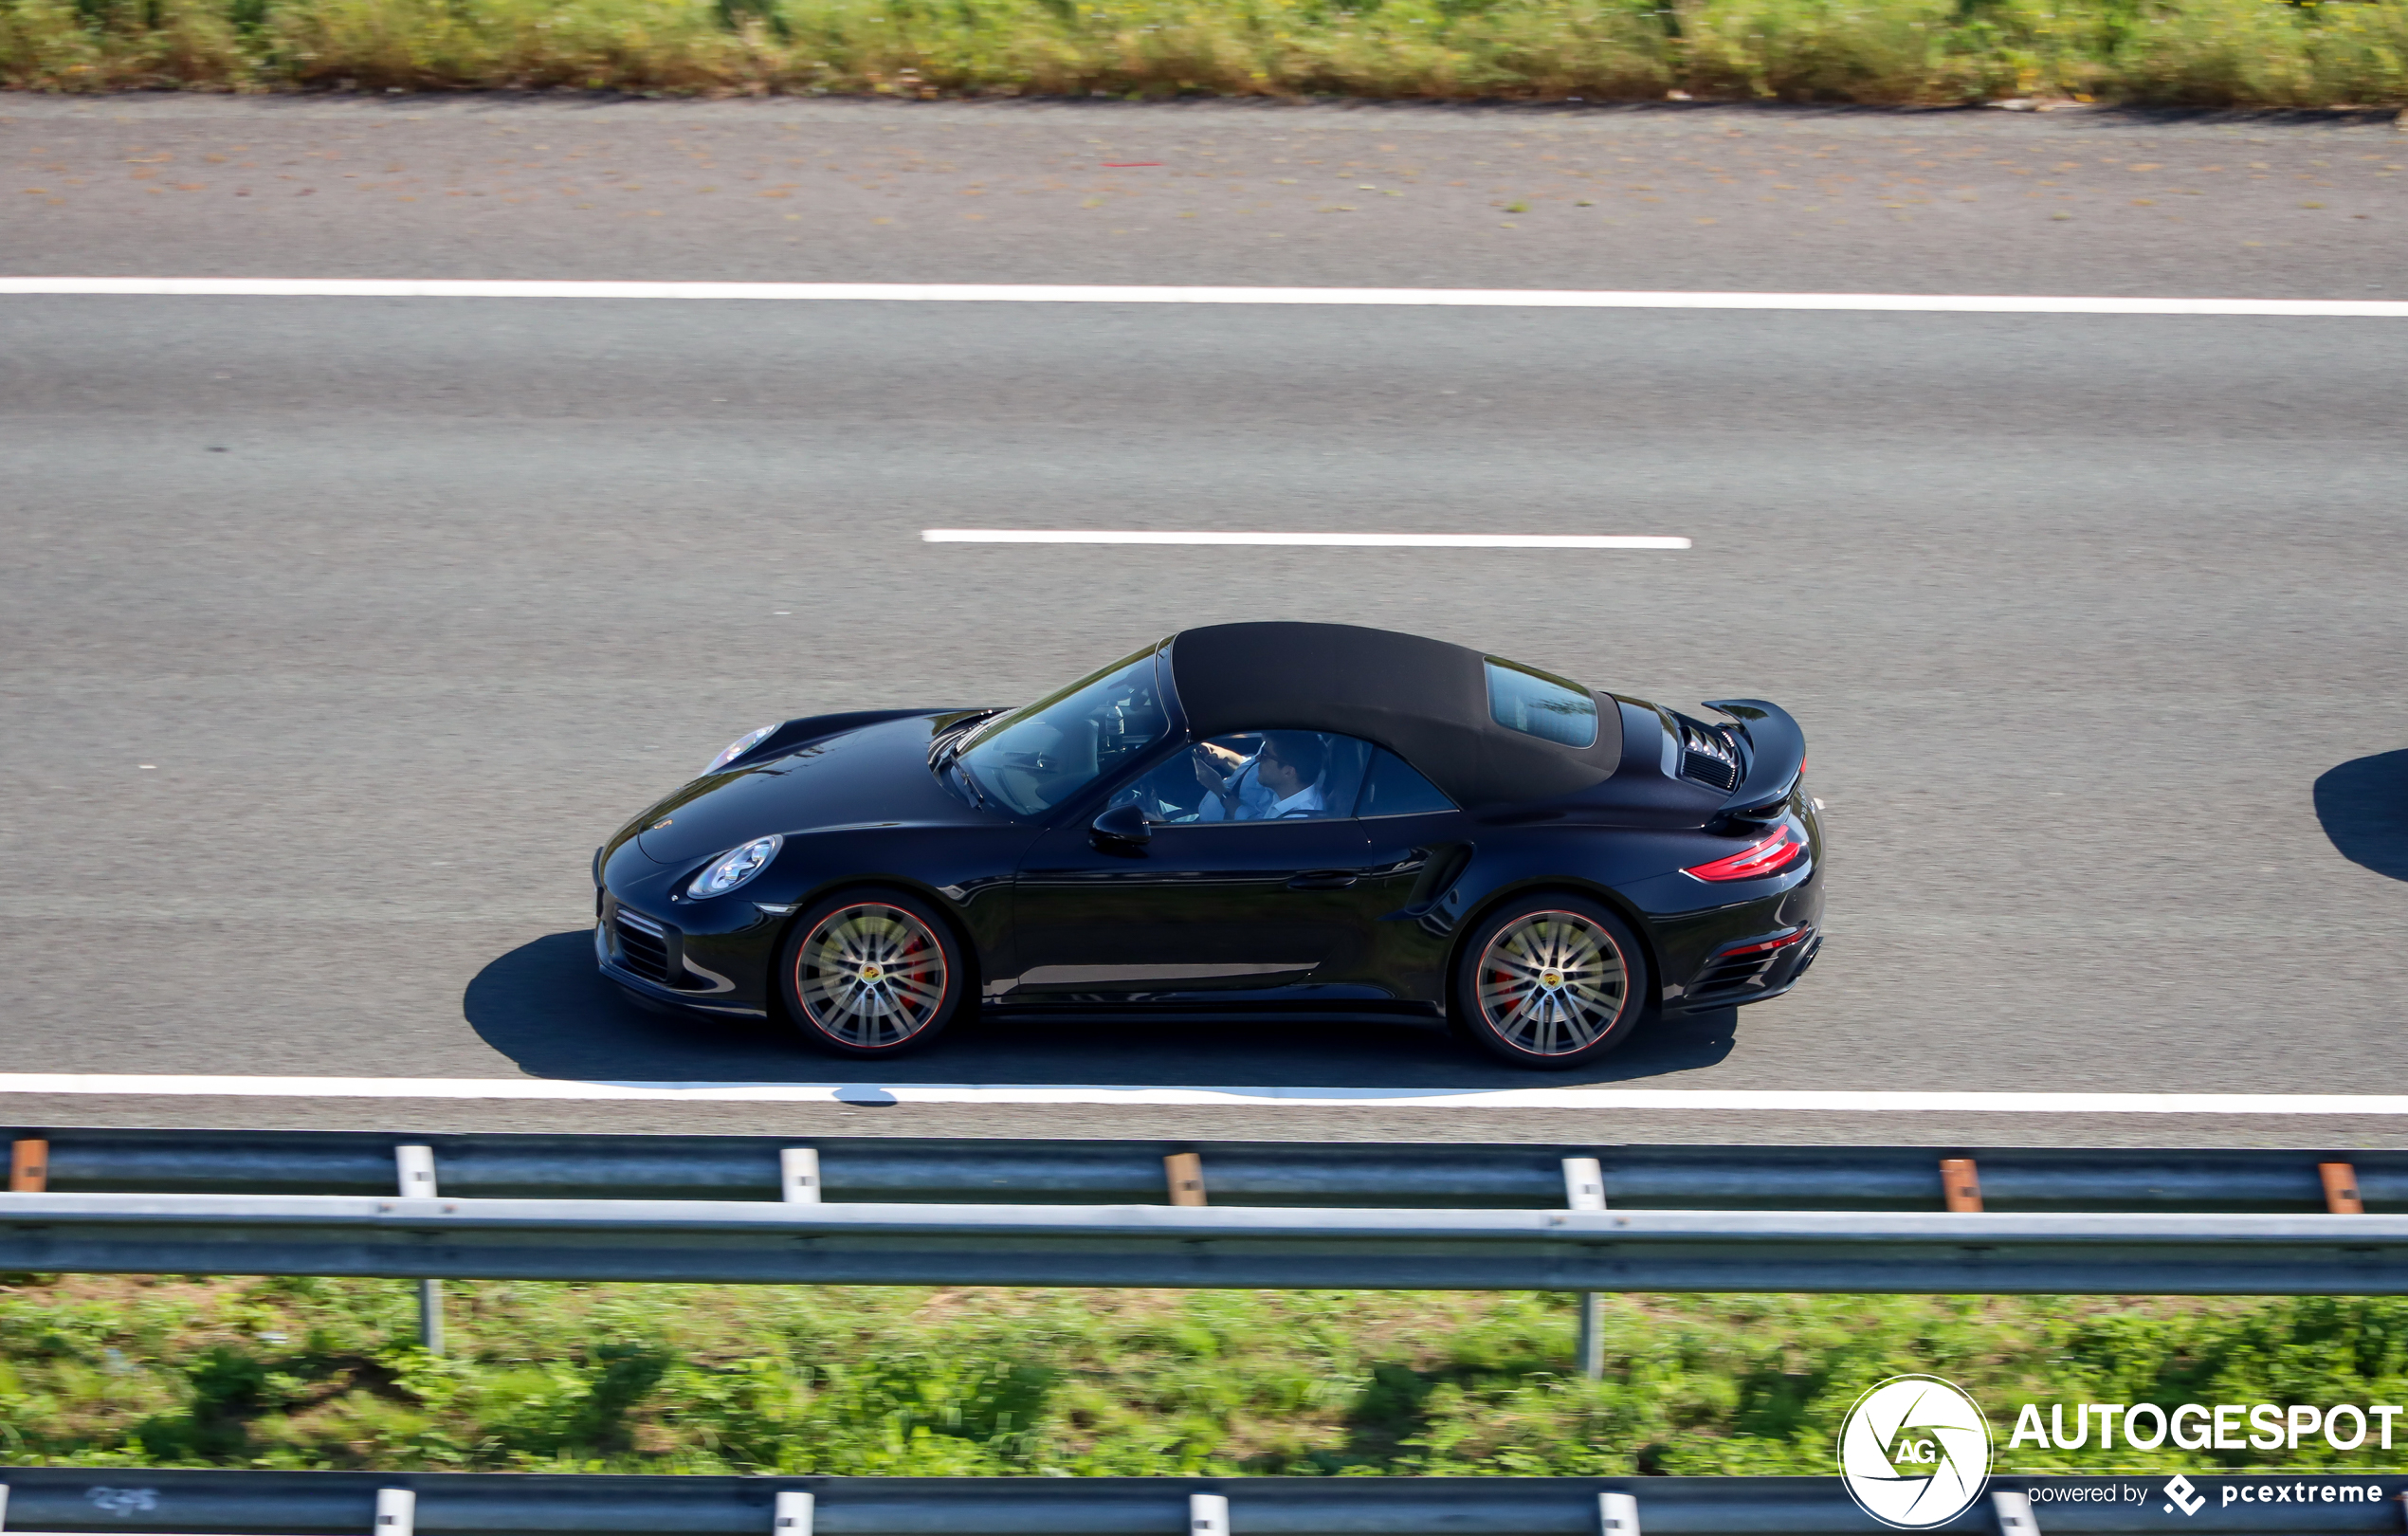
x,y
1776,755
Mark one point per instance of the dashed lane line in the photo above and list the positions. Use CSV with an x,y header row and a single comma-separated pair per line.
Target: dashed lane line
x,y
1331,540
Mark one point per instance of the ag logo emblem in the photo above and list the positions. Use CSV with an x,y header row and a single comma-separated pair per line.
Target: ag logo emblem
x,y
1914,1451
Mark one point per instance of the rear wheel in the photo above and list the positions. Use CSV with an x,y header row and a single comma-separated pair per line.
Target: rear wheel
x,y
1551,981
871,973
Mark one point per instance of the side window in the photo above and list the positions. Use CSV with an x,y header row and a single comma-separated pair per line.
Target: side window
x,y
1255,776
1393,789
1537,704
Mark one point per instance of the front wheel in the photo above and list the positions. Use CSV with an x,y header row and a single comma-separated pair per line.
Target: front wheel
x,y
1552,981
871,974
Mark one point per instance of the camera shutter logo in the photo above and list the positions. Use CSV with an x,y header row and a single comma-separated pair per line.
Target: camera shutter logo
x,y
1914,1451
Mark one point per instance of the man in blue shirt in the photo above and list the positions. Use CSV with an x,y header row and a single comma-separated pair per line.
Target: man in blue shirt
x,y
1280,782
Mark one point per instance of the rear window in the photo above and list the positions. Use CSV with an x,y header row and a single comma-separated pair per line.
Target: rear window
x,y
1539,704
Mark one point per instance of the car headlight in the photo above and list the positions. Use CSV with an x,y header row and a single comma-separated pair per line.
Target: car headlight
x,y
735,867
739,747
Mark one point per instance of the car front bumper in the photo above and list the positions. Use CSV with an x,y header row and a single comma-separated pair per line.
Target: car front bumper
x,y
661,961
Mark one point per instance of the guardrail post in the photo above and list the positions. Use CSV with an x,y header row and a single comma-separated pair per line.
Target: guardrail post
x,y
396,1512
793,1516
415,1168
430,1316
1618,1514
1959,1184
2340,1189
1591,1336
1185,1171
1206,1514
2015,1513
798,1174
29,1167
1584,1190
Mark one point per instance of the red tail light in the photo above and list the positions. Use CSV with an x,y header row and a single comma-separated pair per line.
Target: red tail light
x,y
1771,856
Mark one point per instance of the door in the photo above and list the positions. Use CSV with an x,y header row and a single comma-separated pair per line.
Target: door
x,y
1252,883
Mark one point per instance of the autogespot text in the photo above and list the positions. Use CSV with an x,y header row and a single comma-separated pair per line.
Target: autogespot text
x,y
2194,1426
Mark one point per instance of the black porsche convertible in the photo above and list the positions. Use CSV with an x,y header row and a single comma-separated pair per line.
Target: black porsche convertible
x,y
1301,817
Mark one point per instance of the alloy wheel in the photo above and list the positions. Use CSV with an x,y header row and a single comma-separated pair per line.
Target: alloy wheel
x,y
1550,983
870,975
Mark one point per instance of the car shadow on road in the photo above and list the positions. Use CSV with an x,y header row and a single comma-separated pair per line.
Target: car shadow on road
x,y
2364,807
544,1006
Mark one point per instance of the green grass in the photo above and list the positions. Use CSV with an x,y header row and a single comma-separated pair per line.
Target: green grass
x,y
105,1371
2255,53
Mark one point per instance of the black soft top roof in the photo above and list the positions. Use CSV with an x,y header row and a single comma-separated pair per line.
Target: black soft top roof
x,y
1424,700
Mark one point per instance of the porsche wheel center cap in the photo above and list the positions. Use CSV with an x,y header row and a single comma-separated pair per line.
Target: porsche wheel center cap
x,y
870,972
1551,978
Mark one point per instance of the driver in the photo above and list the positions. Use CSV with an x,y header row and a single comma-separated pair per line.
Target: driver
x,y
1232,784
1281,781
1290,766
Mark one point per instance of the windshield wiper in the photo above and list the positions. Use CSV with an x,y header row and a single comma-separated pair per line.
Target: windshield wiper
x,y
948,742
969,779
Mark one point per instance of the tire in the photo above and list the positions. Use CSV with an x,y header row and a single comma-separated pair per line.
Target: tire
x,y
871,974
1506,1004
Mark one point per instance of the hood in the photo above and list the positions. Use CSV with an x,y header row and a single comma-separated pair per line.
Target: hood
x,y
877,775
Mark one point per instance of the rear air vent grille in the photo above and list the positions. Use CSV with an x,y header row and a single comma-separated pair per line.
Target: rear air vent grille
x,y
1708,756
1719,772
643,945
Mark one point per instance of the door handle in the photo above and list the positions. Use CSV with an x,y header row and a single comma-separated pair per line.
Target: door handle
x,y
1322,880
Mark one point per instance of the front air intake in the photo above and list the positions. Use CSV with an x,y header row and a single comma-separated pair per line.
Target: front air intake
x,y
643,945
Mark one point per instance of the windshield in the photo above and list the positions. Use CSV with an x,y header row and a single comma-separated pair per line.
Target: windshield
x,y
1034,759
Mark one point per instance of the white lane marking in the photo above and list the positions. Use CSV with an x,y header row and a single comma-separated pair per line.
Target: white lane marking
x,y
1066,293
1809,1101
1341,541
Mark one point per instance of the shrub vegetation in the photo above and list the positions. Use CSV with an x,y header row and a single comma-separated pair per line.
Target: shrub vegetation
x,y
102,1371
2215,53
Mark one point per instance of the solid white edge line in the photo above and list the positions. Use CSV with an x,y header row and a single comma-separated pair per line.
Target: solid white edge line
x,y
1755,1100
1042,293
1344,540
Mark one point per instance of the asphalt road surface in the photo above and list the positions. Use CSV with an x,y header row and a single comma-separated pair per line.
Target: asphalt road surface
x,y
334,634
1661,198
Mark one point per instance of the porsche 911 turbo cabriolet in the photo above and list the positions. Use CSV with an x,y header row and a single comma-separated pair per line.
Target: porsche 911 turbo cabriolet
x,y
1307,819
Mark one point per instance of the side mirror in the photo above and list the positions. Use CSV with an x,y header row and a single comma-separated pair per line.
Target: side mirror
x,y
1121,829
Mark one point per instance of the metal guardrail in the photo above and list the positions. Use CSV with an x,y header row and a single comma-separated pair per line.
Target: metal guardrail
x,y
2159,1252
883,1210
1391,1174
148,1501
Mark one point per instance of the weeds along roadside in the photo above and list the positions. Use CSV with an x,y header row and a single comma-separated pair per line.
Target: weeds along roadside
x,y
2212,53
156,1371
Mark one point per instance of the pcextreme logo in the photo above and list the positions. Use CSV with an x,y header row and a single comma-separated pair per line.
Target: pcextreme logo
x,y
1914,1451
